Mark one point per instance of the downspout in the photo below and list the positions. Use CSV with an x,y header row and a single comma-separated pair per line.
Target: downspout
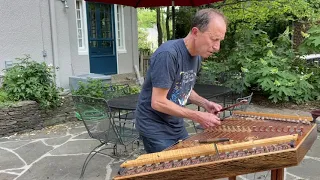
x,y
133,40
53,29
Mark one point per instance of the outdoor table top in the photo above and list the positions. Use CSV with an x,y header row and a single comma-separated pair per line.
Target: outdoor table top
x,y
129,102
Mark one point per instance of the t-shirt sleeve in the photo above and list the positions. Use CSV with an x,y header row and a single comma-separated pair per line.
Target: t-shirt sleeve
x,y
199,64
163,70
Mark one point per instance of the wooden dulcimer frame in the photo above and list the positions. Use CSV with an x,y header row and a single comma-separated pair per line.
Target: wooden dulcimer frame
x,y
275,142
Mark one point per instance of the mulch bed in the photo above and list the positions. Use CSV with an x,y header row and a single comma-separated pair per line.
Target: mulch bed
x,y
261,100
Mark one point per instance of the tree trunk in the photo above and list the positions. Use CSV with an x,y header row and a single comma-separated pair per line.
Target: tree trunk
x,y
159,27
173,22
167,23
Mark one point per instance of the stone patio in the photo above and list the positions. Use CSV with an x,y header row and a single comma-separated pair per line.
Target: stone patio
x,y
58,152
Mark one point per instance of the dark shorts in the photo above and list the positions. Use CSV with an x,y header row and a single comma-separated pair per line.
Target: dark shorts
x,y
152,145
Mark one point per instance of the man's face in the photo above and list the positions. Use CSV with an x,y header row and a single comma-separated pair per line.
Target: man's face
x,y
208,41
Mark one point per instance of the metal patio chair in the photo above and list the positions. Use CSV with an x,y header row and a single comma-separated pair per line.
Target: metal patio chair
x,y
242,107
102,126
118,90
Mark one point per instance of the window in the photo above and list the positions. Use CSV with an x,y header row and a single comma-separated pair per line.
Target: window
x,y
120,30
81,28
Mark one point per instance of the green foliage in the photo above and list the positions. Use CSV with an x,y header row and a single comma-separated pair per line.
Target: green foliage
x,y
311,43
3,96
93,88
183,21
252,12
4,100
146,18
269,65
97,88
271,68
143,43
30,80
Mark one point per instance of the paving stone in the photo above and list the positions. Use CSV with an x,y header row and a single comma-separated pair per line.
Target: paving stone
x,y
114,167
292,177
76,147
15,170
314,151
33,151
77,129
4,139
307,169
39,134
14,144
57,141
67,168
9,160
82,136
6,176
265,175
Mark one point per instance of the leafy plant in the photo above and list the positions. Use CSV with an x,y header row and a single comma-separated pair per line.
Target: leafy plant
x,y
277,75
97,88
31,80
3,96
311,43
270,65
93,88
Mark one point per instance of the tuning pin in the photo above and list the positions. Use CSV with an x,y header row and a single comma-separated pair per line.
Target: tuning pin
x,y
254,128
271,128
278,129
261,129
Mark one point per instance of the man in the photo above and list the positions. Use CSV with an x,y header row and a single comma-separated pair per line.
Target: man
x,y
170,80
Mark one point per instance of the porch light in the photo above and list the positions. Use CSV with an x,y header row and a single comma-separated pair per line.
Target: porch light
x,y
65,3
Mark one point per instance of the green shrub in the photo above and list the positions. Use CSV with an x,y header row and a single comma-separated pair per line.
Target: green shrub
x,y
270,65
3,96
93,88
31,80
311,43
97,88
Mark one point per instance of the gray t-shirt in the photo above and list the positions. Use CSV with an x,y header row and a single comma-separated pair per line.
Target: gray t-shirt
x,y
171,67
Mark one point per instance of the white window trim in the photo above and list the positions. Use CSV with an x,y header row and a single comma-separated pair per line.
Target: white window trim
x,y
85,50
122,50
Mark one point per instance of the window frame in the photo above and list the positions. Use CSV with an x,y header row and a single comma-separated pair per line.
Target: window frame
x,y
120,30
85,49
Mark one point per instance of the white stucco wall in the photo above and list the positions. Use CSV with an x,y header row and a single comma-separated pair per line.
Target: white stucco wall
x,y
80,62
24,30
126,61
29,27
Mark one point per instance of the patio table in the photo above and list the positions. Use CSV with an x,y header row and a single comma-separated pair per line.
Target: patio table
x,y
129,102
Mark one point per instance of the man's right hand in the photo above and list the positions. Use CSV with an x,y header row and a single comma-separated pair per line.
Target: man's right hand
x,y
207,120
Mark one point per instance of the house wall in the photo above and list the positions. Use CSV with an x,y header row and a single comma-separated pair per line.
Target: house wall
x,y
36,26
25,30
61,20
80,61
126,61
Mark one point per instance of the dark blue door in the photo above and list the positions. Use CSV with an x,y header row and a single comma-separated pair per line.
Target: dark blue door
x,y
102,49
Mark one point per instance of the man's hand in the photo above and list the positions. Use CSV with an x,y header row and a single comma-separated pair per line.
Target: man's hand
x,y
212,107
206,119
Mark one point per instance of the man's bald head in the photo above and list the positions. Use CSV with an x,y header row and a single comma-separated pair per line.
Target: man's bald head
x,y
203,17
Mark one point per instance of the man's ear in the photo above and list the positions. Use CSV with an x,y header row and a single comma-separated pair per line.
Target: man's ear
x,y
195,31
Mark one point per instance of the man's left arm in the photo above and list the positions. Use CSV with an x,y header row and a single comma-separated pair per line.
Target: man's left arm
x,y
209,106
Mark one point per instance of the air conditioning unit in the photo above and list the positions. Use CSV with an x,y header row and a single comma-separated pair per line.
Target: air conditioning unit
x,y
74,80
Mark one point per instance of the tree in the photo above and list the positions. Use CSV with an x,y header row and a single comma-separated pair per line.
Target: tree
x,y
159,26
146,18
143,43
